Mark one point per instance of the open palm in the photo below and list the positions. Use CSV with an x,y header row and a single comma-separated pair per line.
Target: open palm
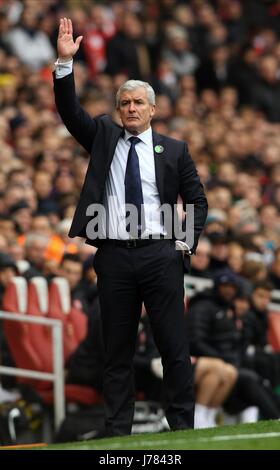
x,y
66,46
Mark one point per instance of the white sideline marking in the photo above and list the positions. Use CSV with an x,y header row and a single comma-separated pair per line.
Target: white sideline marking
x,y
240,436
229,437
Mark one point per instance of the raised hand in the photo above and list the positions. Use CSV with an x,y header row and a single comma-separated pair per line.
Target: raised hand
x,y
66,47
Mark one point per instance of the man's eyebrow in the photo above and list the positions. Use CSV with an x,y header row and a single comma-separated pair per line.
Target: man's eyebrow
x,y
124,100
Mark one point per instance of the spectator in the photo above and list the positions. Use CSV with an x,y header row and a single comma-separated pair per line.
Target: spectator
x,y
215,73
21,214
213,333
265,93
253,268
219,252
274,271
258,354
29,43
42,183
127,51
235,257
35,247
177,52
201,261
7,227
72,270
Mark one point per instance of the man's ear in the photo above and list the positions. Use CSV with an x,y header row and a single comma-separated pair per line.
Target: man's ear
x,y
152,110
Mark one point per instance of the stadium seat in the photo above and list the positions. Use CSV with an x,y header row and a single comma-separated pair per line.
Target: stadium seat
x,y
17,333
274,330
41,340
22,265
82,394
40,335
73,320
31,345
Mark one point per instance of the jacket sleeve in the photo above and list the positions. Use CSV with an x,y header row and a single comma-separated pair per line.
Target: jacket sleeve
x,y
199,330
254,332
192,192
78,122
247,332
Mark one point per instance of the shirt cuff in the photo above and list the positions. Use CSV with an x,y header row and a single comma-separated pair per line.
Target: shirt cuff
x,y
63,68
183,246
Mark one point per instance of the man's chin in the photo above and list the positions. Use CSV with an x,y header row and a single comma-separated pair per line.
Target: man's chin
x,y
132,128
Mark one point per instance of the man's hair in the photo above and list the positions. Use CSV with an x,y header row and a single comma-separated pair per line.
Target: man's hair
x,y
75,258
15,171
5,218
35,237
265,285
131,85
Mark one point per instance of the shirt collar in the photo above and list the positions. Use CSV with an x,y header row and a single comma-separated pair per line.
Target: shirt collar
x,y
145,136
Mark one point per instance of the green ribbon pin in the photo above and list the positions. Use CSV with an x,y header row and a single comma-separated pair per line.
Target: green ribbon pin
x,y
159,149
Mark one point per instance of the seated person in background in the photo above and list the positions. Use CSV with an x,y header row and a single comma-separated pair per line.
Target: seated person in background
x,y
213,332
35,248
258,354
71,268
213,380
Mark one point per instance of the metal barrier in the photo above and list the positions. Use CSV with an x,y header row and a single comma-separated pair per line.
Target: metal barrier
x,y
57,377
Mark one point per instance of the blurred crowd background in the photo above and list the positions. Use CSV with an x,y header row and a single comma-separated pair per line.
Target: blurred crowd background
x,y
215,67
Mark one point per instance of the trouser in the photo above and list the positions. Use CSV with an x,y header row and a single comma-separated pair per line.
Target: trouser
x,y
265,364
250,390
148,384
152,274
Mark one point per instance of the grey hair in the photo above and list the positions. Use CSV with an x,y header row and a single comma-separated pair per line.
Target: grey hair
x,y
35,237
131,85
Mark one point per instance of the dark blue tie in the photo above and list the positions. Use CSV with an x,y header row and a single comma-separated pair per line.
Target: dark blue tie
x,y
132,181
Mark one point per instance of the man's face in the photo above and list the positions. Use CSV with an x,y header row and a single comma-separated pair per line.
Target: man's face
x,y
261,298
201,259
7,229
135,110
36,253
72,271
227,292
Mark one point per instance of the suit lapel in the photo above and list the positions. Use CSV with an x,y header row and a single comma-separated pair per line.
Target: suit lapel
x,y
116,134
159,158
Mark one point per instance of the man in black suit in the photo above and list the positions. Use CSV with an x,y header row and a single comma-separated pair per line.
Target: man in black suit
x,y
133,165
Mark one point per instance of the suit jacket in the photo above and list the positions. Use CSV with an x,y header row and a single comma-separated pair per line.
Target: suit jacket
x,y
175,170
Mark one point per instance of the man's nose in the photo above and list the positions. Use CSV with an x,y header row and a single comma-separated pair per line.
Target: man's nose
x,y
131,107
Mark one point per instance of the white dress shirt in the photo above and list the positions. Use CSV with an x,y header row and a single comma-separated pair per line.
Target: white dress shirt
x,y
114,196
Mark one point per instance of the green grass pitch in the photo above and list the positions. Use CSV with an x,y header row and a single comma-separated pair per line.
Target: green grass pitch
x,y
263,435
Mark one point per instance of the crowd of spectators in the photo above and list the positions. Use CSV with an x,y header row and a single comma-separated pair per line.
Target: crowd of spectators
x,y
215,67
